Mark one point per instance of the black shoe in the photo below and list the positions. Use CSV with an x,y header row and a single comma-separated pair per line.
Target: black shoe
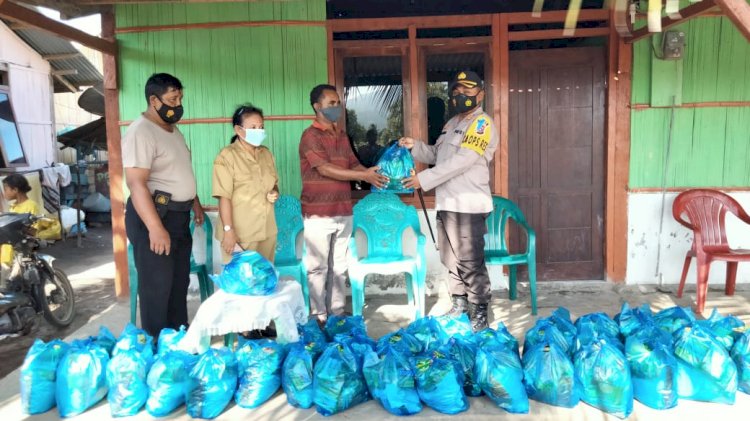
x,y
478,315
460,306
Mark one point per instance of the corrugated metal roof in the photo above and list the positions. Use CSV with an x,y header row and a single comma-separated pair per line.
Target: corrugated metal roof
x,y
47,44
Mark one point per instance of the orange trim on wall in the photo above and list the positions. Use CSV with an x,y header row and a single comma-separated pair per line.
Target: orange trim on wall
x,y
229,120
215,25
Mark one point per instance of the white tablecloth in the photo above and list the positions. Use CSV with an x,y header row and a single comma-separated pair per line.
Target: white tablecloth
x,y
224,313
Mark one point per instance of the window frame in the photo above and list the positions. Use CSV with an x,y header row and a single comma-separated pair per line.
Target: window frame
x,y
5,89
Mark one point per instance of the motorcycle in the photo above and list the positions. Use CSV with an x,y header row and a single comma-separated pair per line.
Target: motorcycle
x,y
33,287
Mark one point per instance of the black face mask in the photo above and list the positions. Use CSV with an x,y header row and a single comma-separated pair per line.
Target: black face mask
x,y
463,103
170,115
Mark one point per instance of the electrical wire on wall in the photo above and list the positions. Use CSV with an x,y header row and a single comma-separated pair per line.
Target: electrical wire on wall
x,y
658,272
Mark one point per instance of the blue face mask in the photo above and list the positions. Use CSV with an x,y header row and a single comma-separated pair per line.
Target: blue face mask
x,y
255,137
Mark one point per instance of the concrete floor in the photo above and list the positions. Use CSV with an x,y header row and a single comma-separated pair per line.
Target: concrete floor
x,y
384,314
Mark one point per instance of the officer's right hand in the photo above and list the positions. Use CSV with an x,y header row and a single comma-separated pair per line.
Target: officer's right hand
x,y
160,241
229,242
375,178
406,142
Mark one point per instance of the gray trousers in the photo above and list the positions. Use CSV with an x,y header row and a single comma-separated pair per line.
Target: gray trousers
x,y
327,243
461,242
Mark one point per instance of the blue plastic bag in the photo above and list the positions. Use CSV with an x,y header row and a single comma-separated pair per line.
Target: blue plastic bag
x,y
396,163
450,327
499,374
653,368
260,372
248,273
311,332
464,352
546,332
169,382
673,319
400,341
338,383
600,323
336,325
126,380
135,338
169,339
440,382
632,320
604,375
427,332
390,379
488,337
549,376
297,374
214,380
725,329
705,371
38,375
591,333
741,356
81,377
106,340
561,319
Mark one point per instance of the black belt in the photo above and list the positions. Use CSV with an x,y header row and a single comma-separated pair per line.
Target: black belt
x,y
180,206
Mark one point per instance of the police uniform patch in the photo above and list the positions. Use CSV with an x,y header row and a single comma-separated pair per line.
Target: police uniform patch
x,y
477,136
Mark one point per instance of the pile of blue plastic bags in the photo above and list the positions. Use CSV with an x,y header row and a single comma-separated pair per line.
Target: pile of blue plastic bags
x,y
435,362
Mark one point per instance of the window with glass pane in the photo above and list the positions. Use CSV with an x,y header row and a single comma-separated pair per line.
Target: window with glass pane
x,y
10,141
374,104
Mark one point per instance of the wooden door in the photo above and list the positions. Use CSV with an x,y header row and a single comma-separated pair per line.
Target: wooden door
x,y
556,157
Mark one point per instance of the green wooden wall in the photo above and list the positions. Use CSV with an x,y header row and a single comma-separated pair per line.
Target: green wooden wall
x,y
273,67
710,146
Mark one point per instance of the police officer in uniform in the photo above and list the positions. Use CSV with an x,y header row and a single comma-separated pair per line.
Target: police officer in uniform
x,y
461,157
159,174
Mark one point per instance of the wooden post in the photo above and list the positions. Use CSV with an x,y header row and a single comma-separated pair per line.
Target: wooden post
x,y
618,154
114,150
504,100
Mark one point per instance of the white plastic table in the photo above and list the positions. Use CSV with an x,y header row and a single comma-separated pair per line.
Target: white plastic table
x,y
224,313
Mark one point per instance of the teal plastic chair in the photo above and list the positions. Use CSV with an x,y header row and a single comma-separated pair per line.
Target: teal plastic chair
x,y
496,249
383,218
204,283
289,222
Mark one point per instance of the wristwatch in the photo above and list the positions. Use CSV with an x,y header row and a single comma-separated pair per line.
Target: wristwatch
x,y
227,228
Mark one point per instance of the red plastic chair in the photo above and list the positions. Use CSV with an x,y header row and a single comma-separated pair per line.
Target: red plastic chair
x,y
706,211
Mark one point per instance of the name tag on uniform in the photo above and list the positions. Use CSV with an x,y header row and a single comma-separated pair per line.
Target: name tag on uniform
x,y
478,135
457,131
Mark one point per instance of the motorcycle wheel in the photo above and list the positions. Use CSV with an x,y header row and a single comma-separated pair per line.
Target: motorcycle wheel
x,y
56,298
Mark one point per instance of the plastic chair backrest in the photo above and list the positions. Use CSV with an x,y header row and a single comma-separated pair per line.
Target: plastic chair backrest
x,y
383,217
706,211
497,223
208,229
288,211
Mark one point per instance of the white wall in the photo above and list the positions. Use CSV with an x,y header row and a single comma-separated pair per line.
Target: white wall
x,y
644,210
31,97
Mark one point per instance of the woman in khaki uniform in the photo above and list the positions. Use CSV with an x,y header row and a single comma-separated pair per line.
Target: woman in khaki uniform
x,y
246,183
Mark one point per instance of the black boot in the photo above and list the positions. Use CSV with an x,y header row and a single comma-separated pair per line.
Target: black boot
x,y
460,306
478,315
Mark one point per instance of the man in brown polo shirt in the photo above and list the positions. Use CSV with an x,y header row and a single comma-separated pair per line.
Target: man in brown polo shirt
x,y
327,164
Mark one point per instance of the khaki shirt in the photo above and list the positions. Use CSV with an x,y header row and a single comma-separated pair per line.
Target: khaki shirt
x,y
166,155
245,180
461,157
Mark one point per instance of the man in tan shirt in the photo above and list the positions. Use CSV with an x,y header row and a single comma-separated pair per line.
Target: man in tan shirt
x,y
461,178
159,174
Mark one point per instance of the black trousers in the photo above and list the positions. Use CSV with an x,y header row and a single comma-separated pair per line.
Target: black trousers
x,y
461,242
162,280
